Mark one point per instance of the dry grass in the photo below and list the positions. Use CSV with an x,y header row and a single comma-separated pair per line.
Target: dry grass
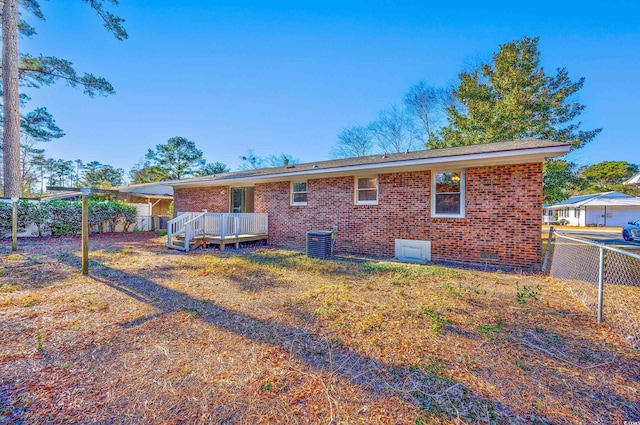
x,y
269,336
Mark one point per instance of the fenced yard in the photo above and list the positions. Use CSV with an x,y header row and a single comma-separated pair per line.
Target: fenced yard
x,y
606,279
269,336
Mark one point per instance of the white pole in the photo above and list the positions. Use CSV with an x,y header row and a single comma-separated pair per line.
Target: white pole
x,y
600,284
14,225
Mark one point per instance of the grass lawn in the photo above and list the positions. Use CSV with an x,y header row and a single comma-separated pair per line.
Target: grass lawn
x,y
154,336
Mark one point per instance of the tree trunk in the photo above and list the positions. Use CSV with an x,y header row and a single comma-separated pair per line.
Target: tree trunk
x,y
11,100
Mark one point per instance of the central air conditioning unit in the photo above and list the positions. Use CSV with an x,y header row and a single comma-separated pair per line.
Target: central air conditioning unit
x,y
320,244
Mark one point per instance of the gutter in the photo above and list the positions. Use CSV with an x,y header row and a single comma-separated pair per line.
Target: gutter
x,y
411,165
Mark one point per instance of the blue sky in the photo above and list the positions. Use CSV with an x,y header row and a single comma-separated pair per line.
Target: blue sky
x,y
286,77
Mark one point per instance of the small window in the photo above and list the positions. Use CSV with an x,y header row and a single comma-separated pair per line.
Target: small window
x,y
299,193
447,198
366,190
576,213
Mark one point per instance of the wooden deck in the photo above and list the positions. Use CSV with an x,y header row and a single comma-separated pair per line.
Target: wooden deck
x,y
227,240
191,230
222,242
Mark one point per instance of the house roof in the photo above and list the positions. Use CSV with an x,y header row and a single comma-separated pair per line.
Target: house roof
x,y
608,199
635,179
511,152
147,190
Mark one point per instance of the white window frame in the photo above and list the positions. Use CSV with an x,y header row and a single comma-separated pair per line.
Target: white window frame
x,y
356,189
291,193
462,193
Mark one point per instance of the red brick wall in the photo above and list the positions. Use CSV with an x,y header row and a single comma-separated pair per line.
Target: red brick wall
x,y
502,214
213,199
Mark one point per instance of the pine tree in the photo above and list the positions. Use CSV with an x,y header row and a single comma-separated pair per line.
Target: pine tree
x,y
36,71
512,98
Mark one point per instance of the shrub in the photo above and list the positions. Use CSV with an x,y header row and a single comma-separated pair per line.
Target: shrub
x,y
129,215
6,216
66,218
99,214
40,216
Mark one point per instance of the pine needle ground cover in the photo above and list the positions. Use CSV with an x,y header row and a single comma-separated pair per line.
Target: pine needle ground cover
x,y
154,336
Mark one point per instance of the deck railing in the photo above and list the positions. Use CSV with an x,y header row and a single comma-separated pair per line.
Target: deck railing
x,y
224,225
215,225
176,227
192,229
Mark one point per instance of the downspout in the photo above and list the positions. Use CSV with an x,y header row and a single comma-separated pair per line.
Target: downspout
x,y
605,216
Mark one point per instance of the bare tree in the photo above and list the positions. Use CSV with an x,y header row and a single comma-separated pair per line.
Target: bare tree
x,y
427,106
353,142
393,130
251,161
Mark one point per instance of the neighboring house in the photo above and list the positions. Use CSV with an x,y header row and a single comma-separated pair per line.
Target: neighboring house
x,y
548,216
634,180
478,204
597,209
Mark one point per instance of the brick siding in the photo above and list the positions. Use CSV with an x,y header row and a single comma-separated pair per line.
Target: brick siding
x,y
213,199
502,214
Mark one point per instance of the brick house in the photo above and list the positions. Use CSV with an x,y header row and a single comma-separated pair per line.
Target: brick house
x,y
477,204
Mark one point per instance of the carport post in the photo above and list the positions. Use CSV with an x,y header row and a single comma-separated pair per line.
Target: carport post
x,y
600,283
85,230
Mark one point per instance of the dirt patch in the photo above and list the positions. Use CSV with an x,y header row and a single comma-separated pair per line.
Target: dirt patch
x,y
270,336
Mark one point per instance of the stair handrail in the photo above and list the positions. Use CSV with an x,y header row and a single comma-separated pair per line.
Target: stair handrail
x,y
176,227
193,228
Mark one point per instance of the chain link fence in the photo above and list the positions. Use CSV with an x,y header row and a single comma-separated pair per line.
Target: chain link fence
x,y
606,279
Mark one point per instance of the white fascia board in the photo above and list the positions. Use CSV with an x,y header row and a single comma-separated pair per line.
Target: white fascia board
x,y
148,195
560,206
523,156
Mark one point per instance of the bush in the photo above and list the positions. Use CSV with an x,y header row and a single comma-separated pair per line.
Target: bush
x,y
6,216
65,218
40,216
99,214
129,214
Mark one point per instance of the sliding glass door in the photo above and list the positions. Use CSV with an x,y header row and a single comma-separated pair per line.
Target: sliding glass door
x,y
241,200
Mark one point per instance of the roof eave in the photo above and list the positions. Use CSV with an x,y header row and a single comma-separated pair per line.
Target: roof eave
x,y
515,156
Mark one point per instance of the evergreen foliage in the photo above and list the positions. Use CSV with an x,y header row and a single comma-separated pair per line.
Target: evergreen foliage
x,y
177,159
64,218
513,98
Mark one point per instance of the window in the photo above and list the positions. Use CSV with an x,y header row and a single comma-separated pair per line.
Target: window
x,y
576,213
366,190
299,193
447,198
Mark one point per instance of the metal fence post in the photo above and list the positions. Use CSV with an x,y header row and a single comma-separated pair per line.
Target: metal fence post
x,y
547,250
600,283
